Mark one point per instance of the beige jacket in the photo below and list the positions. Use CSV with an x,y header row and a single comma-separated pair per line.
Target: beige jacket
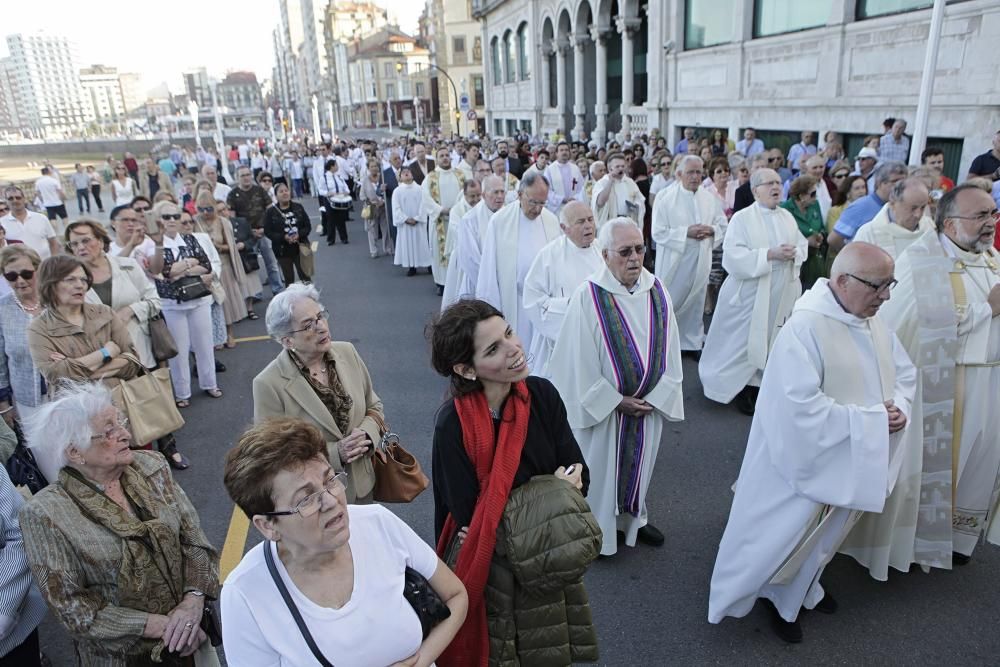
x,y
131,288
280,390
161,176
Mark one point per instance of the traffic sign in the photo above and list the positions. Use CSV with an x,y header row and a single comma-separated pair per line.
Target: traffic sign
x,y
471,115
463,102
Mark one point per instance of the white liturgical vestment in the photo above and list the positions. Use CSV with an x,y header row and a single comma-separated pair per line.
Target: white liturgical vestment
x,y
683,263
889,236
453,278
582,369
625,200
412,246
819,454
754,300
449,184
558,270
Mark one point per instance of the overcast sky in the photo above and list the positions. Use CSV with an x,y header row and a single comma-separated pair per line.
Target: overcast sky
x,y
161,40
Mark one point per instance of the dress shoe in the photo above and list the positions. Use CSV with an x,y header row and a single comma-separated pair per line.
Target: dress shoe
x,y
790,633
411,272
219,367
827,605
430,271
331,243
650,535
746,401
959,559
440,290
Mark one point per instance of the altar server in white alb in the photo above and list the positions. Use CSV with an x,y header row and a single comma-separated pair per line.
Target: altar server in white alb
x,y
823,448
472,194
465,257
443,185
901,221
762,252
565,179
561,267
515,235
412,207
615,194
688,223
945,312
617,365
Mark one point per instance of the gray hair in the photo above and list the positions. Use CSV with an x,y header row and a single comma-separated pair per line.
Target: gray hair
x,y
757,177
736,161
685,160
63,422
594,164
492,181
899,188
531,178
885,171
757,160
279,319
606,234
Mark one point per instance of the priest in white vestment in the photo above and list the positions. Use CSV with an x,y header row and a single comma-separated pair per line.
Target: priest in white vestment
x,y
511,183
468,164
565,179
945,311
901,221
617,195
561,267
444,186
762,252
617,366
464,260
515,235
412,208
472,194
823,448
688,223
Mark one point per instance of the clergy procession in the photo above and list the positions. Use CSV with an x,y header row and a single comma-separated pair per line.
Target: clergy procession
x,y
842,313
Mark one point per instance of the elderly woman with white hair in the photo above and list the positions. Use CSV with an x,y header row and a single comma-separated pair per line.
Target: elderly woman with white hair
x,y
323,382
116,547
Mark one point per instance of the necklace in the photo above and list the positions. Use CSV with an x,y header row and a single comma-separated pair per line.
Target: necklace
x,y
317,374
30,311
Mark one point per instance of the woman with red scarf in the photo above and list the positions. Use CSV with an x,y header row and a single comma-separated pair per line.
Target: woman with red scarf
x,y
501,429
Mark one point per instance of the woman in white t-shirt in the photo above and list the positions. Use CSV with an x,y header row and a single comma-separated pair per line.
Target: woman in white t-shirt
x,y
123,188
343,565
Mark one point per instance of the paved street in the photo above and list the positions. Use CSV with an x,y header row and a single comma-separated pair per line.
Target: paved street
x,y
650,605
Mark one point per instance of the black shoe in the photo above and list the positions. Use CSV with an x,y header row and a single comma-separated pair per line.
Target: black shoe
x,y
650,535
440,290
827,605
959,559
176,460
344,241
692,354
430,271
746,401
331,243
790,633
219,367
411,272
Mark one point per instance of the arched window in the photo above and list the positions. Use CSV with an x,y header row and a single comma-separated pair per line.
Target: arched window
x,y
522,52
495,57
508,58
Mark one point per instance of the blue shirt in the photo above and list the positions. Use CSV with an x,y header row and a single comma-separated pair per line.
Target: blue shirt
x,y
681,148
859,213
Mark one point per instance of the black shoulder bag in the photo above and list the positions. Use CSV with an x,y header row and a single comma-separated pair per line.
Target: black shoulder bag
x,y
310,642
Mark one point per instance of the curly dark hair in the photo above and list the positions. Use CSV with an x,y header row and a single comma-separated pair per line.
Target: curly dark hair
x,y
452,337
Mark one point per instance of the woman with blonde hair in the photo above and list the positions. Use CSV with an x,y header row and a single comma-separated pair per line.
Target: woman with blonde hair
x,y
233,275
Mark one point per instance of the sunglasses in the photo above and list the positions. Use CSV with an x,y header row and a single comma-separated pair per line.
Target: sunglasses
x,y
171,216
26,274
206,209
627,252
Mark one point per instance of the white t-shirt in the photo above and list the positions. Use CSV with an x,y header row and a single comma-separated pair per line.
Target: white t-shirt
x,y
34,232
141,254
221,191
48,189
377,626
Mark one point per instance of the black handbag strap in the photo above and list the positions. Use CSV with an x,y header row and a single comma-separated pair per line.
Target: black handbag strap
x,y
273,569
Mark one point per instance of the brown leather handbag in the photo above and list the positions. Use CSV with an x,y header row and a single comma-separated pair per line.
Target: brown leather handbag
x,y
398,475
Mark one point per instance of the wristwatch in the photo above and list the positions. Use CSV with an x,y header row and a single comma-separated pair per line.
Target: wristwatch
x,y
195,592
106,355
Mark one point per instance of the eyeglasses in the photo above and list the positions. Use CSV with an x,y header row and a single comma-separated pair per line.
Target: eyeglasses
x,y
77,279
26,274
311,325
839,176
121,422
311,503
625,253
532,202
983,217
79,243
878,289
811,194
170,216
206,209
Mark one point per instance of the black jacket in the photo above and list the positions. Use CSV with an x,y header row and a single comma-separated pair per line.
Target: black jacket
x,y
275,221
418,174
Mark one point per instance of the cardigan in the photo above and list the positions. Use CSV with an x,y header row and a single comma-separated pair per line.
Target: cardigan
x,y
131,288
20,379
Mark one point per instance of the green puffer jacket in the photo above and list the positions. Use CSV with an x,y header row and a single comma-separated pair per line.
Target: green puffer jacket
x,y
537,609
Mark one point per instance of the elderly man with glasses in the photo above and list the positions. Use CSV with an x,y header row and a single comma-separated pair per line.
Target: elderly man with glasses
x,y
617,366
945,313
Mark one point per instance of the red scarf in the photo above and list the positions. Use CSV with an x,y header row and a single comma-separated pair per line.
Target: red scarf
x,y
471,646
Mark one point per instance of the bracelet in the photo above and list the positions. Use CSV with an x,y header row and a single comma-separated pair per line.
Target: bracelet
x,y
6,410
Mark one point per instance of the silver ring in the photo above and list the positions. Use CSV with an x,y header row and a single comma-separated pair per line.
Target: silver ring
x,y
189,625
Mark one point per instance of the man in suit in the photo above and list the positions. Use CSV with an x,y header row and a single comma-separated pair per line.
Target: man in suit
x,y
744,195
421,165
514,165
390,176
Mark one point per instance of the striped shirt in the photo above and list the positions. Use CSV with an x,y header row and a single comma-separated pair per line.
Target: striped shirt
x,y
21,605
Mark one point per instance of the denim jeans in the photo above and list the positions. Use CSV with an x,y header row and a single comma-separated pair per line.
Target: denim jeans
x,y
83,199
263,247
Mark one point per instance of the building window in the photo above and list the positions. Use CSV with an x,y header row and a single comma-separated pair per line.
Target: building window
x,y
871,8
708,22
390,91
774,17
508,59
388,69
495,57
420,89
477,50
478,95
522,52
458,55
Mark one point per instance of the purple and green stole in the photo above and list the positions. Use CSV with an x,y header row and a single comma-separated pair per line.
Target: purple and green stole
x,y
633,379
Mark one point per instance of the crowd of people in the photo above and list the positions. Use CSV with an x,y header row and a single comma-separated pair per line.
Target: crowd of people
x,y
573,278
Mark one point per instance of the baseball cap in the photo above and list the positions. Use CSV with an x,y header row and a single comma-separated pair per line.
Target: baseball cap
x,y
867,152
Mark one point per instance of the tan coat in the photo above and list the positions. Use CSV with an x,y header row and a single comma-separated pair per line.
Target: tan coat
x,y
49,333
161,176
131,288
280,390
